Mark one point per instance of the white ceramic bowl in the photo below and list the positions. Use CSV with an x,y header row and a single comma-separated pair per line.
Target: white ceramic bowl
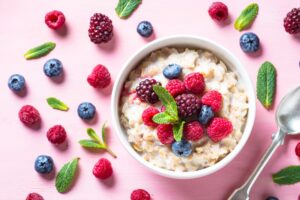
x,y
183,41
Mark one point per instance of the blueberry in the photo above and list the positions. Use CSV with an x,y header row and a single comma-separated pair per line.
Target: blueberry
x,y
205,115
43,164
16,82
172,71
145,29
272,198
249,42
53,67
86,110
182,148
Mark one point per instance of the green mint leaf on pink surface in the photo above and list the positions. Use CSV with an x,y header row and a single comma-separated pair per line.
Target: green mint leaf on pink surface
x,y
93,134
66,176
246,17
40,50
57,104
91,144
287,176
126,7
178,130
266,84
164,118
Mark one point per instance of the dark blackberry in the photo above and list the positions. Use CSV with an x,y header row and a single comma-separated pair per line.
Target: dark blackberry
x,y
292,21
101,28
145,91
188,105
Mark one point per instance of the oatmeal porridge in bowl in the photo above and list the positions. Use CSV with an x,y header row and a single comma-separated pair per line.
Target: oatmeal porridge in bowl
x,y
183,106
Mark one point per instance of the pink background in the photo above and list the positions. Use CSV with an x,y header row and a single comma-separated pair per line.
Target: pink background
x,y
22,27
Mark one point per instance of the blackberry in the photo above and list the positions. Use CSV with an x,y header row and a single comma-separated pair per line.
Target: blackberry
x,y
101,28
145,91
292,21
188,105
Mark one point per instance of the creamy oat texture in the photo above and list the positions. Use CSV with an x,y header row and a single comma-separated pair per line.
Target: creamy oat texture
x,y
217,77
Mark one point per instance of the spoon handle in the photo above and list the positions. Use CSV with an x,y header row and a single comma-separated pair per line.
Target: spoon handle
x,y
242,193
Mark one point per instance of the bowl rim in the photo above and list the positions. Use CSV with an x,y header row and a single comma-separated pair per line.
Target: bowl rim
x,y
137,57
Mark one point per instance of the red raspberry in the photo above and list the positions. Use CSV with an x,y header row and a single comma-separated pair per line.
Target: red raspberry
x,y
219,128
56,134
218,11
29,115
193,131
103,169
148,114
165,133
297,149
55,19
140,194
194,82
175,87
100,77
213,99
34,196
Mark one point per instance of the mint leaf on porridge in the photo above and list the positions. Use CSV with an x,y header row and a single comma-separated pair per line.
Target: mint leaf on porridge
x,y
164,118
287,176
178,130
126,7
57,104
246,17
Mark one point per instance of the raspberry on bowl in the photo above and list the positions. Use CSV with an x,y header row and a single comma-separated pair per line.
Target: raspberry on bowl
x,y
101,28
219,128
193,131
55,19
100,77
175,87
165,133
213,99
103,169
194,82
148,114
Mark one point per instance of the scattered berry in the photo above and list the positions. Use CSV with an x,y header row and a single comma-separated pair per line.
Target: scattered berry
x,y
43,164
56,134
101,28
16,82
145,91
218,11
213,99
219,128
29,115
100,77
175,87
145,29
172,71
55,19
194,82
249,42
182,148
193,131
205,115
188,105
86,110
297,149
291,22
53,67
165,133
272,198
147,116
34,196
140,194
102,169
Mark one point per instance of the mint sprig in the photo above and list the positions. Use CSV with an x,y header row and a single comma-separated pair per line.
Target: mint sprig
x,y
178,130
287,176
57,104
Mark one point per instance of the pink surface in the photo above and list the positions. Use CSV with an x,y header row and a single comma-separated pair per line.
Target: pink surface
x,y
22,27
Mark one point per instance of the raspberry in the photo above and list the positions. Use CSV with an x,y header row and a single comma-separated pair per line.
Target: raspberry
x,y
29,115
148,114
140,194
100,77
101,28
55,19
165,133
219,128
218,11
175,87
103,169
188,105
34,196
297,149
145,91
56,134
213,99
194,82
291,22
193,131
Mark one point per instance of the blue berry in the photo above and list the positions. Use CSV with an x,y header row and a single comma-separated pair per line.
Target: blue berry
x,y
182,148
249,42
272,198
53,67
86,110
43,164
145,29
205,115
172,71
16,82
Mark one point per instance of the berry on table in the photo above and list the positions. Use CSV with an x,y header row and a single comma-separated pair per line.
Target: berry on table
x,y
205,115
145,91
249,42
16,82
213,99
182,148
102,169
53,67
140,194
219,128
29,115
218,11
86,111
43,164
148,114
297,149
172,71
34,196
272,198
101,28
175,87
165,133
291,22
193,131
145,29
56,134
100,77
55,19
188,105
194,82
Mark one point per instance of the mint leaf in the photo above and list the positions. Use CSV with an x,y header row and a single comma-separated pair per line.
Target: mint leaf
x,y
103,133
287,176
57,104
126,7
164,118
91,144
66,175
166,99
266,84
93,134
246,17
178,130
40,50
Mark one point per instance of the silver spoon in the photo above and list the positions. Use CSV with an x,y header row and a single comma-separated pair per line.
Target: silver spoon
x,y
288,122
